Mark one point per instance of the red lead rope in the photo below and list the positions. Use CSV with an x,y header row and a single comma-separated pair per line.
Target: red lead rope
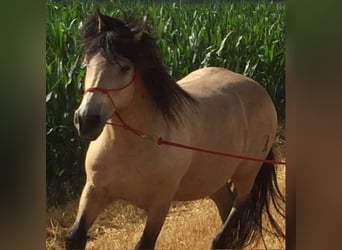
x,y
161,141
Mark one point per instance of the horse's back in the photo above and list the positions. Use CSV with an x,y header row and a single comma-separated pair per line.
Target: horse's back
x,y
226,87
210,80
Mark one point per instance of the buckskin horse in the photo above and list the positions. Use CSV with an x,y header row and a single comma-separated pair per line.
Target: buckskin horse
x,y
130,99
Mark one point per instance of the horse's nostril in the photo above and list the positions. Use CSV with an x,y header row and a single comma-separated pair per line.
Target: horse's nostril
x,y
88,126
93,121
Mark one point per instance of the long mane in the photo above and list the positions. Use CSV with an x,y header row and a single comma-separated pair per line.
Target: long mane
x,y
131,39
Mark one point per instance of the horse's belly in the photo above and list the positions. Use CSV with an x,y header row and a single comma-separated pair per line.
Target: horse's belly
x,y
205,176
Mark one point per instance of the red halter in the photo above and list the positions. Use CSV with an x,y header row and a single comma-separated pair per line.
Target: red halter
x,y
107,91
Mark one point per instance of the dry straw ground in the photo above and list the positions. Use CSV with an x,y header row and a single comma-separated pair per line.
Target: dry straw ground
x,y
189,225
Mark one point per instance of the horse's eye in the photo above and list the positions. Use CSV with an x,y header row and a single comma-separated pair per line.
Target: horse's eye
x,y
125,68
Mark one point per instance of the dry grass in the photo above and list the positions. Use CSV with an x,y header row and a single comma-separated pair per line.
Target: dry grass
x,y
189,225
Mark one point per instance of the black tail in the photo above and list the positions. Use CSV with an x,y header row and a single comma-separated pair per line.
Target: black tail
x,y
248,226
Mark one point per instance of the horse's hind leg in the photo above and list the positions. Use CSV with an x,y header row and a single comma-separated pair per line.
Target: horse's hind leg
x,y
223,199
225,239
91,204
232,234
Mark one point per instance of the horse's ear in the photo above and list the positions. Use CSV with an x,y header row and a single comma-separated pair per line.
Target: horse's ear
x,y
140,28
99,20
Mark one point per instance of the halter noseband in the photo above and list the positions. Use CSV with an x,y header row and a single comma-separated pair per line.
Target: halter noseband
x,y
107,92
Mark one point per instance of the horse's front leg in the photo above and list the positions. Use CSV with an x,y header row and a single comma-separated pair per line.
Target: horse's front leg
x,y
155,219
92,202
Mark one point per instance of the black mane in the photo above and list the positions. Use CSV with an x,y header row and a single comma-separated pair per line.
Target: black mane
x,y
131,39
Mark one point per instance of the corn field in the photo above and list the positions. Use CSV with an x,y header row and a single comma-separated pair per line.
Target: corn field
x,y
245,37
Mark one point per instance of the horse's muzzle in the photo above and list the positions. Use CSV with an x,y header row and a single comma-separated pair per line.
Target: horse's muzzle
x,y
88,126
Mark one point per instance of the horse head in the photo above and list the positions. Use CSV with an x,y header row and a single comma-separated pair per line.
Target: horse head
x,y
111,53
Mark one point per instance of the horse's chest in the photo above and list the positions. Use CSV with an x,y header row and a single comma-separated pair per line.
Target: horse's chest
x,y
138,179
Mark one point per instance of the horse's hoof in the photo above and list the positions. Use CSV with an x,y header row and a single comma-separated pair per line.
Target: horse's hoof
x,y
72,242
219,242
